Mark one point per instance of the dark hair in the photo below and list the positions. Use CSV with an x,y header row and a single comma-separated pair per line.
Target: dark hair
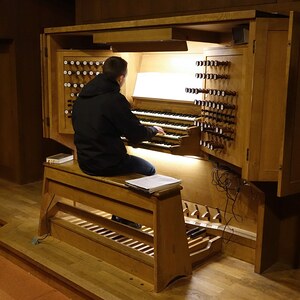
x,y
114,67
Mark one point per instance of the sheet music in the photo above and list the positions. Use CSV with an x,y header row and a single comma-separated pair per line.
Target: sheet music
x,y
153,183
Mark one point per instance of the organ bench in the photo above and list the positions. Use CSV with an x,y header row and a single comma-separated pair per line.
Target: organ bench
x,y
77,208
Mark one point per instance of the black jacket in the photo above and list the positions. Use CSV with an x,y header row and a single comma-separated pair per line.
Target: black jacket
x,y
100,116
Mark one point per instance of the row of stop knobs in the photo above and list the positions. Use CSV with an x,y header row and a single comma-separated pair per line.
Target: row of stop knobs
x,y
214,104
83,63
213,92
218,118
212,63
211,76
205,126
83,73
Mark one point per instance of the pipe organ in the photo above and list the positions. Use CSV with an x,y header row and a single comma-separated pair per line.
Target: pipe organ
x,y
227,101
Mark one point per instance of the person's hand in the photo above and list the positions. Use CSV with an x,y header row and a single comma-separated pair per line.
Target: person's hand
x,y
159,129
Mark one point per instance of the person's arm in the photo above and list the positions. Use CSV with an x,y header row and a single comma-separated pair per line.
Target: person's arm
x,y
129,125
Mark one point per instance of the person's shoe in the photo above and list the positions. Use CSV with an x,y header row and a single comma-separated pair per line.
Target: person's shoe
x,y
126,222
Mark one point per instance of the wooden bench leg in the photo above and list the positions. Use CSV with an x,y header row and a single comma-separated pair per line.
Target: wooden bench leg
x,y
172,259
48,209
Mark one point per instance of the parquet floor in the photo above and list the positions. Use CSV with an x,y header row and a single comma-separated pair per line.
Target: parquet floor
x,y
66,270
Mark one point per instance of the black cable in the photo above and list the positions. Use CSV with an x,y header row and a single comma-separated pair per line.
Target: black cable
x,y
224,230
226,181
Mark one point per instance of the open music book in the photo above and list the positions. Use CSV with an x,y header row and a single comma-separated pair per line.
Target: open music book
x,y
154,183
59,158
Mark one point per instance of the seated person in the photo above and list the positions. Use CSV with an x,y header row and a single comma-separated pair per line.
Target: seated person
x,y
101,115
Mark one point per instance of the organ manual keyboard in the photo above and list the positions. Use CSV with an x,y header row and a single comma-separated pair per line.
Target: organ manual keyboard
x,y
179,119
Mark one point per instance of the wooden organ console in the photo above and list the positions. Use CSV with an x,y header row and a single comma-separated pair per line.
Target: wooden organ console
x,y
239,109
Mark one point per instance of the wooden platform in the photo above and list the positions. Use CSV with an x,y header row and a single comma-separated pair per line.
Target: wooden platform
x,y
81,274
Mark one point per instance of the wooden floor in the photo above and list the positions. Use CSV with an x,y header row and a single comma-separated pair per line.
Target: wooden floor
x,y
16,283
81,276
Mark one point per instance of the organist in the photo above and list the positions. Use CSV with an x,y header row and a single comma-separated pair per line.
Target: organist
x,y
101,116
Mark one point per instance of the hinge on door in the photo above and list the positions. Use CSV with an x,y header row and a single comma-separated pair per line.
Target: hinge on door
x,y
253,46
247,154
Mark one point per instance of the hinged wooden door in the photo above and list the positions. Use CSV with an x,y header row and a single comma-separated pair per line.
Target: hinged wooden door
x,y
289,173
266,89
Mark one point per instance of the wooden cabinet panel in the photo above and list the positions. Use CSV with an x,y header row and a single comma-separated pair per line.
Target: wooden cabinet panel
x,y
267,100
289,175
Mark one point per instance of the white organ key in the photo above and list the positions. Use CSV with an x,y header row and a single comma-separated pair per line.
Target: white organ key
x,y
164,125
171,136
162,145
166,115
